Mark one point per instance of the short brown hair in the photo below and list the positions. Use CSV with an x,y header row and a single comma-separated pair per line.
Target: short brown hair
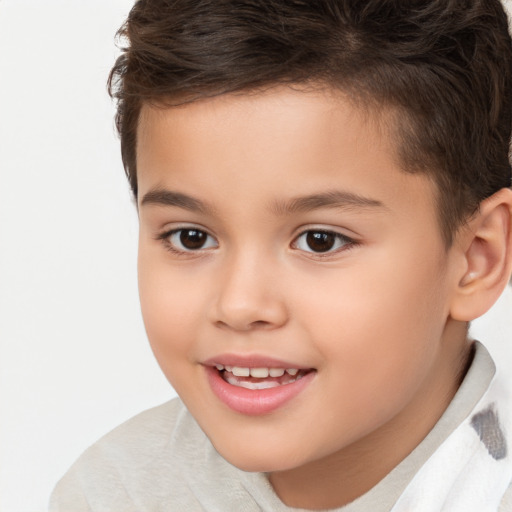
x,y
445,67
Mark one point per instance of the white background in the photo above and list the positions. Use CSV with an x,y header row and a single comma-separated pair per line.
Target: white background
x,y
74,361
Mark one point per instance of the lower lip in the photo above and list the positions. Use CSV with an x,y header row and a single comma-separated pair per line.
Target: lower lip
x,y
255,402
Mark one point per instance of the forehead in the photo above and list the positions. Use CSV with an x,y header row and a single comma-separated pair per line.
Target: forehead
x,y
291,104
278,118
270,144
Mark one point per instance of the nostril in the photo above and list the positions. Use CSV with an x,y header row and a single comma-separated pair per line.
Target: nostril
x,y
260,323
257,324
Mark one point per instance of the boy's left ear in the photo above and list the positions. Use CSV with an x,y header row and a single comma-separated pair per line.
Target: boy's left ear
x,y
484,251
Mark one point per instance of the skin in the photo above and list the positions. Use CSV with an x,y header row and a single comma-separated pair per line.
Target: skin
x,y
373,318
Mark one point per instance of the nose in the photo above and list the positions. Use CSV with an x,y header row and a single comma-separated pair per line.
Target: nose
x,y
248,297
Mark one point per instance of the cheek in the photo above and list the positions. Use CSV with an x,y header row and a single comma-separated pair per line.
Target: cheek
x,y
380,325
367,303
170,303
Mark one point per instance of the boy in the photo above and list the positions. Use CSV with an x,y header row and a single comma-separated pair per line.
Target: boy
x,y
324,199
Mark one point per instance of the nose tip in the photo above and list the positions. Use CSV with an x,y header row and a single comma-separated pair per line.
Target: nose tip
x,y
240,314
248,301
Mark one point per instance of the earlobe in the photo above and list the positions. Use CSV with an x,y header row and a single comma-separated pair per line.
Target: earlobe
x,y
487,254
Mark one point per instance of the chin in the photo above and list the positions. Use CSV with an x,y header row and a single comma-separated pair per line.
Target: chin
x,y
258,464
258,460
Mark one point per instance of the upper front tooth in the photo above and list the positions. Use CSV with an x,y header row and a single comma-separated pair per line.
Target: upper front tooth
x,y
219,367
241,372
260,373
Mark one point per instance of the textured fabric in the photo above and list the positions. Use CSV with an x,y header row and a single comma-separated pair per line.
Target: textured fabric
x,y
472,469
160,460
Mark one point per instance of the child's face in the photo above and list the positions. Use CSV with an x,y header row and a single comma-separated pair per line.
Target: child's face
x,y
278,231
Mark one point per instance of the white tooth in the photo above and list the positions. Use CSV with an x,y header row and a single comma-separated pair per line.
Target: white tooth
x,y
219,367
276,372
292,371
241,372
260,373
228,368
264,384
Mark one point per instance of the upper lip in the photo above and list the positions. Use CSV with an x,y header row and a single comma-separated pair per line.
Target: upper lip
x,y
252,361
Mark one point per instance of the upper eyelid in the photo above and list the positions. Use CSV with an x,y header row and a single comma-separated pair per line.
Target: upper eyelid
x,y
324,229
167,232
330,231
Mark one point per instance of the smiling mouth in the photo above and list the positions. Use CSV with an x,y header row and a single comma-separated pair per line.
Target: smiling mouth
x,y
260,378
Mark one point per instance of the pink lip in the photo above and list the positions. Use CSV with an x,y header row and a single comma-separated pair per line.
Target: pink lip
x,y
255,402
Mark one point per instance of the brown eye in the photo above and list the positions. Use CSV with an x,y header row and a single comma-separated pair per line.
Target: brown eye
x,y
190,239
319,241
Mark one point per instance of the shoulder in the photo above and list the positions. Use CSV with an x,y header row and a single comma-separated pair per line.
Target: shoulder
x,y
142,437
129,461
506,502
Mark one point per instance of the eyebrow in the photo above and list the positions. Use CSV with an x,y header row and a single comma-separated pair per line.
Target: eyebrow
x,y
162,197
302,204
331,199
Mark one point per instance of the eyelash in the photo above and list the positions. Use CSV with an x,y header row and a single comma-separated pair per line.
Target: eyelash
x,y
166,236
347,242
